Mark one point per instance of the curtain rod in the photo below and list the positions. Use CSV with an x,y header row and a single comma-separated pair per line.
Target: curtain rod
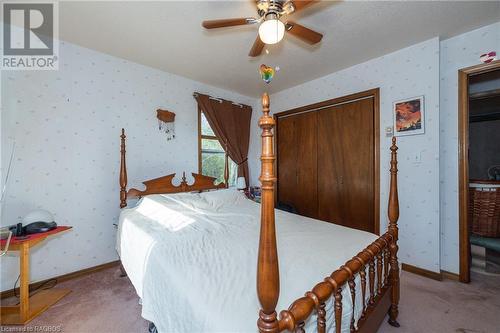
x,y
219,100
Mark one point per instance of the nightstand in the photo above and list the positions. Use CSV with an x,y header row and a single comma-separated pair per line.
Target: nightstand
x,y
30,307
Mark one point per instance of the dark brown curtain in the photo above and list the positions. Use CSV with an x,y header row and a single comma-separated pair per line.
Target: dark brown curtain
x,y
231,125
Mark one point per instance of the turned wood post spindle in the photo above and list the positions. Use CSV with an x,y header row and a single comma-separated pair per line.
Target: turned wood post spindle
x,y
352,289
123,172
379,273
371,281
362,273
267,267
321,318
338,310
393,214
386,267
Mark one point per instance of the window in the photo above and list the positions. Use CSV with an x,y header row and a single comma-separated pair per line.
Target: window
x,y
211,155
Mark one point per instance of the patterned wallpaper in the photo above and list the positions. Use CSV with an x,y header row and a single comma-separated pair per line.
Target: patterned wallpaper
x,y
456,53
409,72
66,125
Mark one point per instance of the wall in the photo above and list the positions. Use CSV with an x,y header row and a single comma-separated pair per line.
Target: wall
x,y
66,126
456,53
409,72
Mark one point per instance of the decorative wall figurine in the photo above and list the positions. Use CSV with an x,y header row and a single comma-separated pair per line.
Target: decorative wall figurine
x,y
166,123
488,57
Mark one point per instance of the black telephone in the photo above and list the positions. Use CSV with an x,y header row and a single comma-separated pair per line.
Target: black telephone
x,y
32,228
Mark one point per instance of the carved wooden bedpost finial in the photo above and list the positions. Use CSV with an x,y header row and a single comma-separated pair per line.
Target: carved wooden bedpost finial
x,y
267,268
123,172
393,214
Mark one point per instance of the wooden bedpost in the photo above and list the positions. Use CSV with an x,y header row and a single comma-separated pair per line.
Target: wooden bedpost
x,y
393,213
123,173
268,283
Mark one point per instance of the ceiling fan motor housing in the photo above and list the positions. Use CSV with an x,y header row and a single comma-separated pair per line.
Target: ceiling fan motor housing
x,y
276,8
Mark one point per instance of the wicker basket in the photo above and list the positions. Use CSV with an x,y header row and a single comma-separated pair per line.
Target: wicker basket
x,y
484,208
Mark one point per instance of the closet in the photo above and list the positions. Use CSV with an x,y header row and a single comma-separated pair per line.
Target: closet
x,y
327,160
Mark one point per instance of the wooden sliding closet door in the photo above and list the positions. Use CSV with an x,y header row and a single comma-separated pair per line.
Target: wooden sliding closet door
x,y
345,135
297,162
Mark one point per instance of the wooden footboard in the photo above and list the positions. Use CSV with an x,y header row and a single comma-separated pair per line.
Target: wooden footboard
x,y
377,265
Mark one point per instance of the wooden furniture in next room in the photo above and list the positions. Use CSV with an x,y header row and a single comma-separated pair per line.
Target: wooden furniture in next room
x,y
379,259
327,160
30,307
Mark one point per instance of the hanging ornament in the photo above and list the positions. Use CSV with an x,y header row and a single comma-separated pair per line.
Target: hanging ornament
x,y
166,123
266,72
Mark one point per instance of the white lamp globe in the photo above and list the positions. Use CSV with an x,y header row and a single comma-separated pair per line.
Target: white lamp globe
x,y
38,215
271,31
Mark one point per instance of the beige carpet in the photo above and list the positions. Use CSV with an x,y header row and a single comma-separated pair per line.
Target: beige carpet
x,y
429,306
104,302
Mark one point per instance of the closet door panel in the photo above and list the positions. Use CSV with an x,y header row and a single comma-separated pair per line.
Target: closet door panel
x,y
307,164
297,162
330,196
345,163
287,157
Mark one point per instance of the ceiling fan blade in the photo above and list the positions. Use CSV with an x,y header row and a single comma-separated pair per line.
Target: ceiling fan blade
x,y
306,34
257,47
212,24
299,4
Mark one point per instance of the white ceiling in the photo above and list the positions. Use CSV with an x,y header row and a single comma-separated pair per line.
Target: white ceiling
x,y
168,35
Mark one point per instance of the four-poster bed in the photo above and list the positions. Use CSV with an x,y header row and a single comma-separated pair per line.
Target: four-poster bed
x,y
383,253
203,246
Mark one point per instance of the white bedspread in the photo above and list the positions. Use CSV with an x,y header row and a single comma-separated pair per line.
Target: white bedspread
x,y
192,258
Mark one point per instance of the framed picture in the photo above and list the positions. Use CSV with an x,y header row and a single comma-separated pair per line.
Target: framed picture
x,y
409,116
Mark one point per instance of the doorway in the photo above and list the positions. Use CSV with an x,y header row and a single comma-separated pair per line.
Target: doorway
x,y
479,100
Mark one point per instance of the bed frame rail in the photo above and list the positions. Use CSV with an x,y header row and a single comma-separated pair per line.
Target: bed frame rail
x,y
379,259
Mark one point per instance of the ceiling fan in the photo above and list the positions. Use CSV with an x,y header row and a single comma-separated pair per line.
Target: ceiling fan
x,y
273,23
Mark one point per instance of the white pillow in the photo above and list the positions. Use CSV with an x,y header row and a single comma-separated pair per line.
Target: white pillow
x,y
218,198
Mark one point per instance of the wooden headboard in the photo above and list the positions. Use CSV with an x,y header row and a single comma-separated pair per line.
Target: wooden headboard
x,y
164,184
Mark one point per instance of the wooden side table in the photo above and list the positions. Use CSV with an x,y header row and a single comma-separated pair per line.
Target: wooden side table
x,y
30,307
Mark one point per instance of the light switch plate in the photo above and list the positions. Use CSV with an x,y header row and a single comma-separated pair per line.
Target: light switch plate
x,y
417,157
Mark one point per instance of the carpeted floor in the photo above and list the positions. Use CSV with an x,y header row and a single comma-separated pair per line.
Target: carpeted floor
x,y
104,302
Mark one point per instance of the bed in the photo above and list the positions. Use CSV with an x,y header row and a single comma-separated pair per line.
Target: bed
x,y
191,252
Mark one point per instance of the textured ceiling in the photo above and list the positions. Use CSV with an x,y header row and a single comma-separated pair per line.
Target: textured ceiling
x,y
168,35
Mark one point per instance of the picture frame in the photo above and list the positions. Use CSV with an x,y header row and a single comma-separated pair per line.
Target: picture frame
x,y
409,116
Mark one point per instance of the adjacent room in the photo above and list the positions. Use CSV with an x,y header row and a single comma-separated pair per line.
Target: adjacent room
x,y
250,166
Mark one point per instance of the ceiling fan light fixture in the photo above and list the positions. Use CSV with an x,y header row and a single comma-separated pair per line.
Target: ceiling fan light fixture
x,y
271,31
